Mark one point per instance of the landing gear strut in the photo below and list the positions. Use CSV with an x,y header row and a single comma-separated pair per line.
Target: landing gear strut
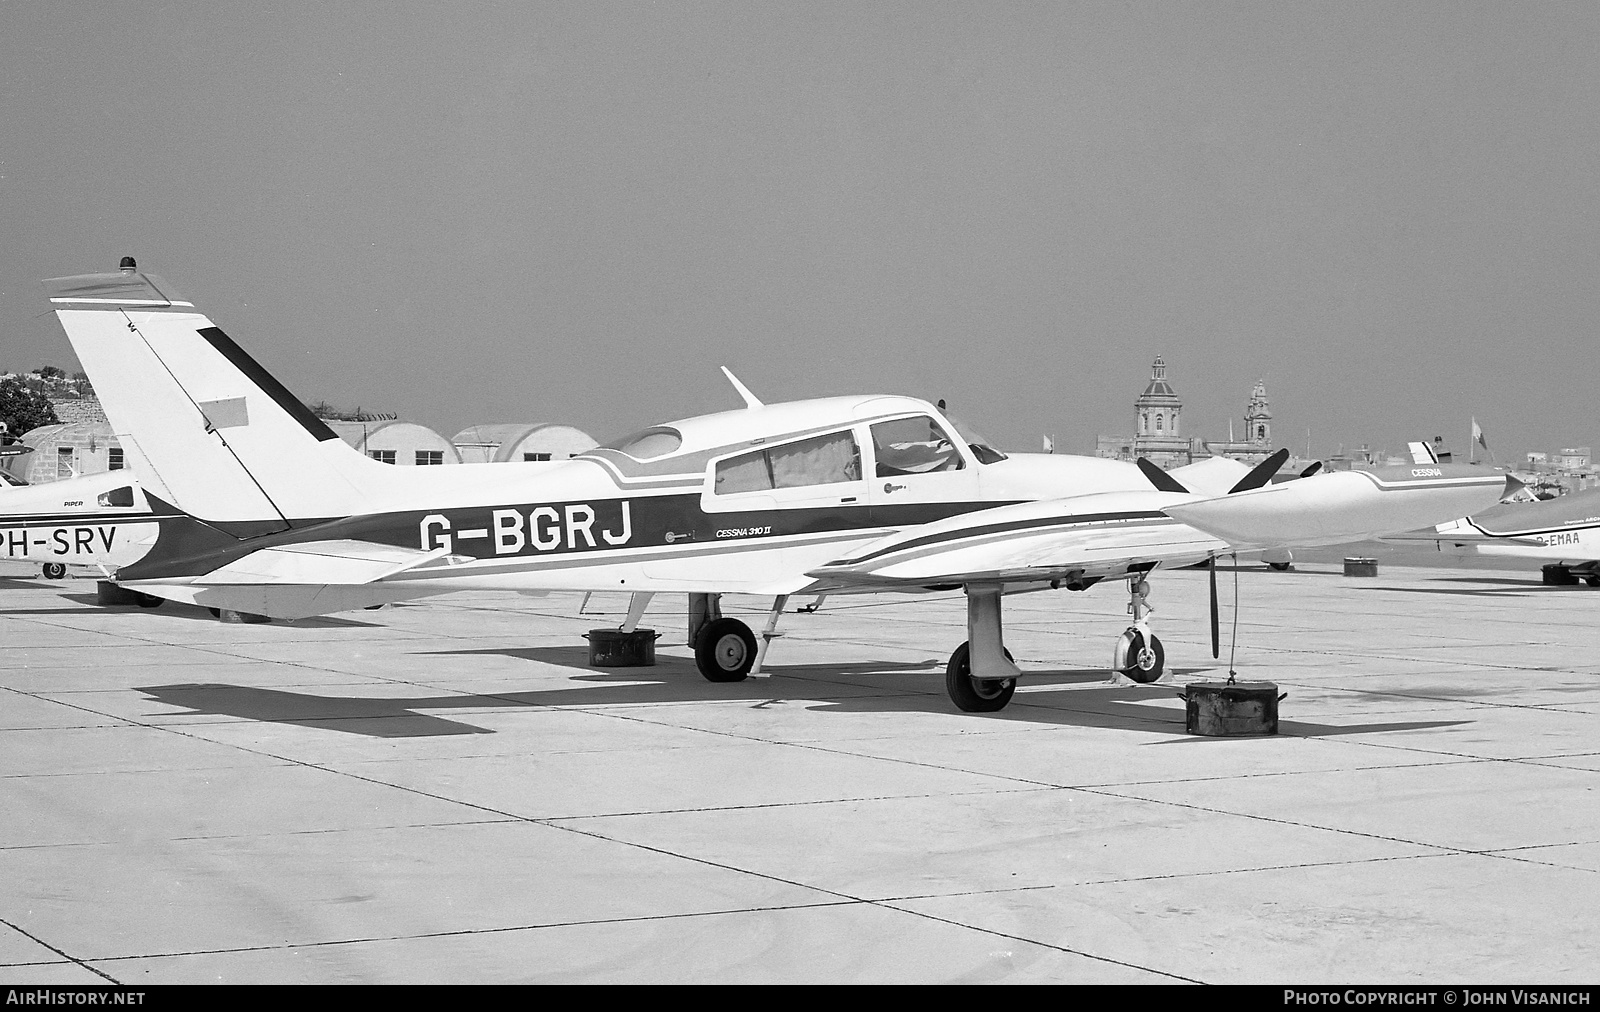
x,y
981,677
1139,654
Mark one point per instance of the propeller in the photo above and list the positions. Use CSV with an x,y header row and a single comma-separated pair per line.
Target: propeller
x,y
1216,636
1313,469
1261,473
1161,479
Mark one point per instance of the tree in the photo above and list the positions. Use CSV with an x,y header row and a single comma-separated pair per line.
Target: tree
x,y
22,409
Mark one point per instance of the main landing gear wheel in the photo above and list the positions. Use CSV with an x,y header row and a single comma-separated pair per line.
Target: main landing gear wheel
x,y
1138,662
972,695
1282,567
54,570
725,650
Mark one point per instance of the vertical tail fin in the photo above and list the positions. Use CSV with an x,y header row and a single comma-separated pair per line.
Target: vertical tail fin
x,y
206,427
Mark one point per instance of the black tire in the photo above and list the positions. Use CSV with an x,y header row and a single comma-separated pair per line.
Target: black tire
x,y
1592,580
1145,669
725,650
1282,567
971,695
150,601
54,570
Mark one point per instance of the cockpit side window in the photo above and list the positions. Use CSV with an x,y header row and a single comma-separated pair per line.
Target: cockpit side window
x,y
819,460
914,446
117,497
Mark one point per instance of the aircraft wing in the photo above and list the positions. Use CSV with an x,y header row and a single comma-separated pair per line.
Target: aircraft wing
x,y
322,563
1086,537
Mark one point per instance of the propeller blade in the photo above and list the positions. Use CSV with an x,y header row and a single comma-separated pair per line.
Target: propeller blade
x,y
1313,469
1161,479
1216,636
1261,473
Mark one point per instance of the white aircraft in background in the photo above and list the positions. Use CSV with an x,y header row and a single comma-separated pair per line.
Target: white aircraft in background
x,y
263,510
99,520
1564,531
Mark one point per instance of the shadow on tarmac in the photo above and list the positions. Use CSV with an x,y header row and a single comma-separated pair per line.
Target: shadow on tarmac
x,y
1065,698
189,611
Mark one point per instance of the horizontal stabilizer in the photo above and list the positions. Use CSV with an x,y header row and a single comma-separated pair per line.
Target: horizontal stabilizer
x,y
325,563
1210,476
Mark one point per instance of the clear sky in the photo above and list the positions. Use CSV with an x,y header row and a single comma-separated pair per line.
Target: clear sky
x,y
575,212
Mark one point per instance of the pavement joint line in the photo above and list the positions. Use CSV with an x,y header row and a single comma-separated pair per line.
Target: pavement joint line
x,y
878,903
1464,756
515,817
691,858
1351,862
1446,848
823,747
765,805
464,932
1427,697
1048,945
508,820
64,955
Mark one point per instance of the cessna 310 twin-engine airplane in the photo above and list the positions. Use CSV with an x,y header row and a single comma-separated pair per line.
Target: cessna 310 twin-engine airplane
x,y
263,510
99,520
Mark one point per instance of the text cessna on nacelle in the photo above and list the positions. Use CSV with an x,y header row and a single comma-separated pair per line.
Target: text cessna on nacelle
x,y
264,510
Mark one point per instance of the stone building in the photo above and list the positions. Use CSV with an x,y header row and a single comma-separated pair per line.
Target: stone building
x,y
1158,433
1257,441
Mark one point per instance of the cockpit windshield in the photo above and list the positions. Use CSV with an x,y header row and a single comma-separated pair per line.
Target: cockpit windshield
x,y
981,447
647,444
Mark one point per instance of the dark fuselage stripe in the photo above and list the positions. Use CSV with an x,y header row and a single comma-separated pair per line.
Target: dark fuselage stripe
x,y
1014,525
260,377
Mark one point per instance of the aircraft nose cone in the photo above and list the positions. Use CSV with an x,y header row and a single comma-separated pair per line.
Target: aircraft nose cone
x,y
1513,486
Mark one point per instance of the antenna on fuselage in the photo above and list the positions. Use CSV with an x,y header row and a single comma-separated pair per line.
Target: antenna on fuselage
x,y
750,399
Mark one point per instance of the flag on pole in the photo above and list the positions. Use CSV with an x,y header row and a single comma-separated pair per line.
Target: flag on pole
x,y
1049,444
1477,435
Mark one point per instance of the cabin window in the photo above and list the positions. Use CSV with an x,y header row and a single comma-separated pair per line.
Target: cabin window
x,y
535,456
913,446
117,497
64,468
820,460
114,458
382,456
426,457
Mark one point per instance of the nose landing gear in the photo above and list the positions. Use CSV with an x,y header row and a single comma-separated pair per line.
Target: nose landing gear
x,y
1139,654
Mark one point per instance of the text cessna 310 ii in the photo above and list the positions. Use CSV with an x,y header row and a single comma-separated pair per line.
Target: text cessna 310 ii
x,y
263,510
